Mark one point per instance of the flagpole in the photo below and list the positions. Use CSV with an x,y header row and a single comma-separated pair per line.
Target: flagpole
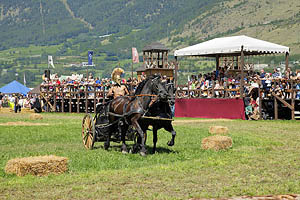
x,y
24,79
131,75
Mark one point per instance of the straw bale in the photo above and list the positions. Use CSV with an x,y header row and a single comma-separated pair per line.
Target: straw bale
x,y
218,130
36,117
217,142
37,166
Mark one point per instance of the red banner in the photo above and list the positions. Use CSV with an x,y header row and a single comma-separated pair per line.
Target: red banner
x,y
135,55
210,108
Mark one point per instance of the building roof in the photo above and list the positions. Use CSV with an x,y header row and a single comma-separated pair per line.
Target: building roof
x,y
141,68
14,87
232,46
156,46
35,90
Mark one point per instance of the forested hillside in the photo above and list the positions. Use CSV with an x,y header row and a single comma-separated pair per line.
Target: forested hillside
x,y
53,22
32,29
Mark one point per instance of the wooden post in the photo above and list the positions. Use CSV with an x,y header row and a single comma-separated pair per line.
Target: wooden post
x,y
63,101
242,73
293,103
217,62
260,102
86,98
158,59
176,76
131,84
166,62
286,61
151,60
55,99
78,100
95,99
70,100
275,109
103,96
47,98
226,89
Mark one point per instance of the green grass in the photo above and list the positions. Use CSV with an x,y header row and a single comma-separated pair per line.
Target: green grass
x,y
264,160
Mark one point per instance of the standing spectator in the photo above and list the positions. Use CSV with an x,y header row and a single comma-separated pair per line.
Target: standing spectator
x,y
275,73
17,107
288,73
1,97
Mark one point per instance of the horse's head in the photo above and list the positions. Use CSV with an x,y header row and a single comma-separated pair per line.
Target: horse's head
x,y
159,88
171,92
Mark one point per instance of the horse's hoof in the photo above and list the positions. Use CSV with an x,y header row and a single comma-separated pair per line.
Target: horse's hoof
x,y
143,154
170,143
124,152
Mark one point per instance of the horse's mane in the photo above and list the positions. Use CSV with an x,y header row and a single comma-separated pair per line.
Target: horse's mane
x,y
140,87
142,84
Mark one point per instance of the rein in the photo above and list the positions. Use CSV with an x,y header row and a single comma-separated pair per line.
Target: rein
x,y
145,95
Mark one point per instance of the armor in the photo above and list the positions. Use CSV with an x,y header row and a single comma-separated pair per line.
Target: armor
x,y
117,89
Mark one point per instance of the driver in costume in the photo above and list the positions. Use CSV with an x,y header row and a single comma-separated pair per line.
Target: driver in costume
x,y
117,89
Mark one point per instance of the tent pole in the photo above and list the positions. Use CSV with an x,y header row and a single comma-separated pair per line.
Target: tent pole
x,y
286,61
217,62
176,76
242,73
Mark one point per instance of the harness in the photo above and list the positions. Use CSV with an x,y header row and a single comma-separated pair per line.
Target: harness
x,y
141,110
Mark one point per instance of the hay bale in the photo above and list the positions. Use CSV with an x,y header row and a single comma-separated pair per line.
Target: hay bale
x,y
216,142
218,130
36,117
37,166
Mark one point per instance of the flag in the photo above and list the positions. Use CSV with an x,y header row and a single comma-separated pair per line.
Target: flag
x,y
24,79
90,58
50,61
135,55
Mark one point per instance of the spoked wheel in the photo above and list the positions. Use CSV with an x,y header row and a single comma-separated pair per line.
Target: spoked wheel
x,y
88,131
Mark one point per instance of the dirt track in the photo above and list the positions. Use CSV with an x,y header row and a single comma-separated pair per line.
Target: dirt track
x,y
23,124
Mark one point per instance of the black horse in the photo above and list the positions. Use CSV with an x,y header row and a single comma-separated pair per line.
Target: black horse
x,y
37,106
125,111
160,109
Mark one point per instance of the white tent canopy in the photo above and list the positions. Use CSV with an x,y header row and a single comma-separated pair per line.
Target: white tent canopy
x,y
232,46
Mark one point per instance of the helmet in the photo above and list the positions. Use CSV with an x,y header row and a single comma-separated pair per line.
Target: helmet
x,y
116,75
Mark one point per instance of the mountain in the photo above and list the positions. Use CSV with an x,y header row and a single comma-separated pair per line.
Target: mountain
x,y
276,21
52,22
32,29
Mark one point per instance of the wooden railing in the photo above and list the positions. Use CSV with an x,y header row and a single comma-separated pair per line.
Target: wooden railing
x,y
52,94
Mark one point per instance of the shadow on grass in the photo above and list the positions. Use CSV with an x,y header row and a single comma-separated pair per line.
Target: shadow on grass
x,y
117,147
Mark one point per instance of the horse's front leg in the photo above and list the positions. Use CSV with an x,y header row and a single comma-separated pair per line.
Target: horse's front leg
x,y
154,139
134,122
123,131
107,142
168,127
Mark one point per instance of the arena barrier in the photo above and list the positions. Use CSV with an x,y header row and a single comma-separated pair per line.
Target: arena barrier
x,y
210,108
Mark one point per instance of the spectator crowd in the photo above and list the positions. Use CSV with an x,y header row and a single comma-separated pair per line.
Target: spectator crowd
x,y
216,84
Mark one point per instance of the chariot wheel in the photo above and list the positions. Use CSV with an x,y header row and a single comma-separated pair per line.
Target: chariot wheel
x,y
88,131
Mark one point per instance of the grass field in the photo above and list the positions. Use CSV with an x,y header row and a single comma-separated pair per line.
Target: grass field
x,y
264,159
